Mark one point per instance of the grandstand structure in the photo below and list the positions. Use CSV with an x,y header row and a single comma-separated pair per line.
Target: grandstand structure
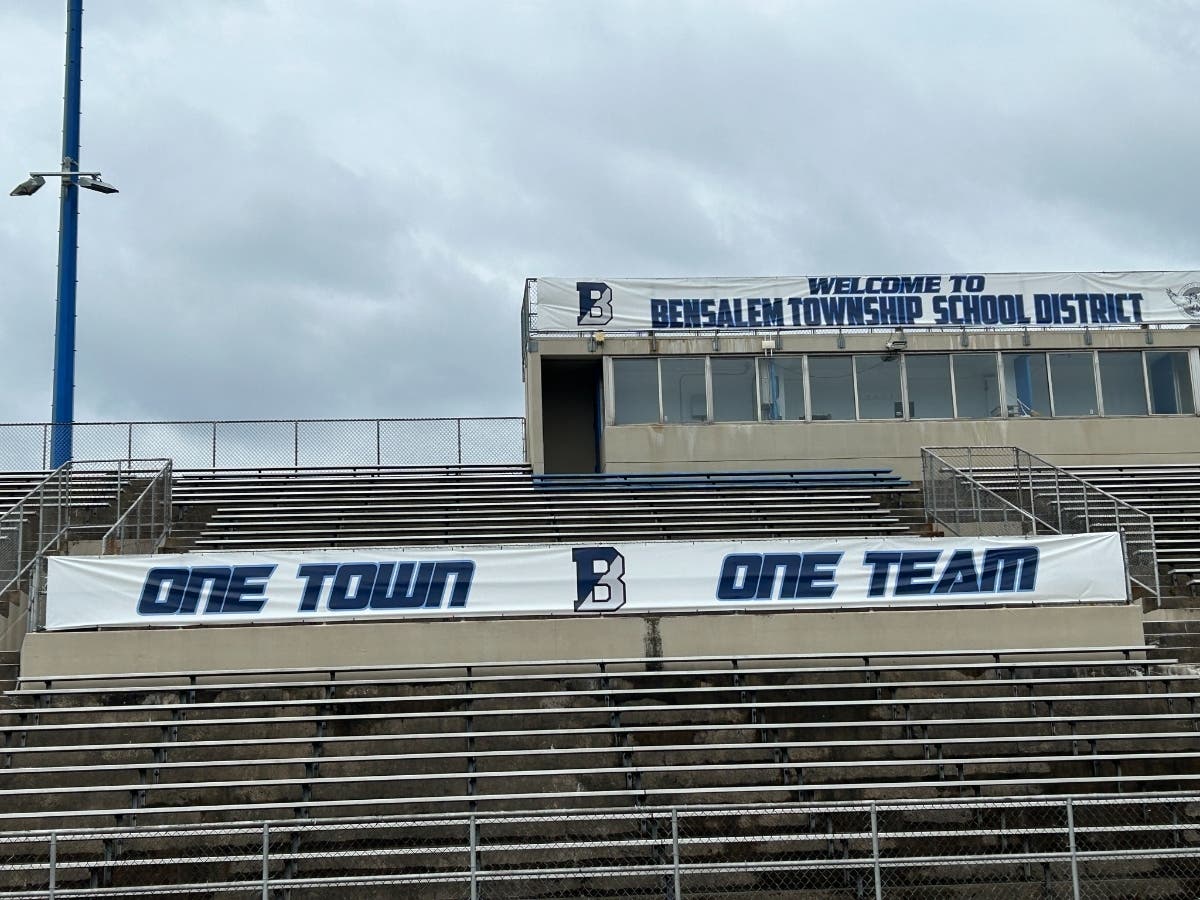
x,y
738,609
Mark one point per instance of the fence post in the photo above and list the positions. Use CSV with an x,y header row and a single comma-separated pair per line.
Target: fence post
x,y
53,862
474,861
458,422
875,852
1074,855
266,859
675,849
214,445
378,444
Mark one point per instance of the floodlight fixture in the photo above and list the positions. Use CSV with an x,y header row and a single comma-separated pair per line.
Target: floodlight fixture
x,y
28,187
93,183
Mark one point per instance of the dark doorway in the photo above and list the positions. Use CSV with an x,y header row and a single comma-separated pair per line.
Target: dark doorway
x,y
571,414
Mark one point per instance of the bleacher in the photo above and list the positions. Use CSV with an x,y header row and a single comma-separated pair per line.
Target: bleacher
x,y
430,506
213,748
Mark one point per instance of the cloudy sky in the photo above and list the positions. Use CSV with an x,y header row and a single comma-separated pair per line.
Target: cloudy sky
x,y
328,207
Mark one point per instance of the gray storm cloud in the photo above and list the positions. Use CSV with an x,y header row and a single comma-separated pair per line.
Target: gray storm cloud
x,y
328,209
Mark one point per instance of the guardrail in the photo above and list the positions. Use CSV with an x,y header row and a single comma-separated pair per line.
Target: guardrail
x,y
144,526
1007,490
81,500
276,443
1062,847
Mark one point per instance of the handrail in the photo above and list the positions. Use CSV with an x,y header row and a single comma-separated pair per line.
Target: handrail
x,y
1034,477
47,510
978,488
160,484
17,511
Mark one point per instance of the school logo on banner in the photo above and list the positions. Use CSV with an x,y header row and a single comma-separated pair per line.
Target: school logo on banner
x,y
599,583
1187,298
595,302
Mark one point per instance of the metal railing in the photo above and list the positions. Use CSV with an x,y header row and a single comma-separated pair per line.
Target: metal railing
x,y
144,526
1064,847
82,500
277,443
1007,490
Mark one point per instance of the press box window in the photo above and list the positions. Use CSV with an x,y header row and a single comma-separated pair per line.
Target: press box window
x,y
831,385
1026,386
1122,383
976,388
635,391
1073,384
1170,382
878,387
684,393
929,394
781,387
733,390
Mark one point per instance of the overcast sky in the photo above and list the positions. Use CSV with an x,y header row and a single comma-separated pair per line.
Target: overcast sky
x,y
328,207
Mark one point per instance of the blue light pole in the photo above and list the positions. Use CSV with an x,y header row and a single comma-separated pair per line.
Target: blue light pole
x,y
62,412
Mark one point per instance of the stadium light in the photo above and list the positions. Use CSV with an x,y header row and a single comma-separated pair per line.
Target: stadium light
x,y
62,409
28,187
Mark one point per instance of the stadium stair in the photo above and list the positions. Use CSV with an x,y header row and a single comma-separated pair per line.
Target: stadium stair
x,y
236,748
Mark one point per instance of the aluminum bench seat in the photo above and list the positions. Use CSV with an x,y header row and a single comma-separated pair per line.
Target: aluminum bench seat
x,y
1022,689
334,520
484,715
1041,728
1006,672
763,790
471,508
481,778
330,753
250,493
385,538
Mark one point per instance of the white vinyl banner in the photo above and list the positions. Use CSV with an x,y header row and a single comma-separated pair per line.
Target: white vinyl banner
x,y
1041,299
707,576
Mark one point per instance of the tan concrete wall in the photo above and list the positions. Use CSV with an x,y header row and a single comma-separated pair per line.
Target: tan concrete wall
x,y
891,444
515,640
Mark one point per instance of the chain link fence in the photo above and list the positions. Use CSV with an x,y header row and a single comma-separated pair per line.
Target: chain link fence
x,y
277,443
1115,848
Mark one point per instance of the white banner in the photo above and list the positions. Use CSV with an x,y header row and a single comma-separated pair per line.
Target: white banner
x,y
1044,300
711,576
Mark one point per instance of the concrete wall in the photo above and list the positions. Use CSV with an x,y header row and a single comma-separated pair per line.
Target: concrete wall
x,y
892,444
515,640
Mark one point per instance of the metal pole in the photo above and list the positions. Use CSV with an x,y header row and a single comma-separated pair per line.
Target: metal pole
x,y
875,852
53,862
459,423
266,859
214,445
62,411
675,849
296,445
474,861
1074,855
378,444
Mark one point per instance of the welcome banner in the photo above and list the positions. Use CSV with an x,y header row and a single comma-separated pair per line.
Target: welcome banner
x,y
1044,300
